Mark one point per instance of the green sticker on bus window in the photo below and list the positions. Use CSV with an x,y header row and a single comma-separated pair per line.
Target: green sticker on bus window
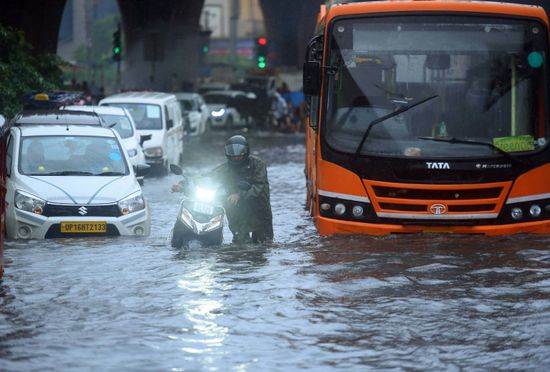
x,y
535,59
515,144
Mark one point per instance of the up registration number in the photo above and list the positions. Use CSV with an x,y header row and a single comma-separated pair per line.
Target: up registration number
x,y
83,227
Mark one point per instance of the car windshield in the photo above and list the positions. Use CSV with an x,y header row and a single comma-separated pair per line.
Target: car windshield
x,y
477,78
120,123
219,99
71,155
145,116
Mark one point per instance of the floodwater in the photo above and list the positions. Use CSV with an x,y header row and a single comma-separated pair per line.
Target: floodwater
x,y
350,303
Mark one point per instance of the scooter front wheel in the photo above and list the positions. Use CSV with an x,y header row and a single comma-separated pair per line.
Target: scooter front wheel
x,y
178,236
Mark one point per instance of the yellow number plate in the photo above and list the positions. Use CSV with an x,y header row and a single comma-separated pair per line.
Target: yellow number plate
x,y
83,227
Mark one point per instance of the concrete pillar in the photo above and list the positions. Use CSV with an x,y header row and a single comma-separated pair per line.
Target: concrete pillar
x,y
162,45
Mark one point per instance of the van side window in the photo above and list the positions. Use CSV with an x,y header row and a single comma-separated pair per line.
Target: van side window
x,y
177,114
169,119
9,156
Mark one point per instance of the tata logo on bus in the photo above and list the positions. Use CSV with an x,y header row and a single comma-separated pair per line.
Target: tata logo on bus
x,y
438,209
437,165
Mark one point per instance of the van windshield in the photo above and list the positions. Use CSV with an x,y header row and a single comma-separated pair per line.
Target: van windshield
x,y
145,116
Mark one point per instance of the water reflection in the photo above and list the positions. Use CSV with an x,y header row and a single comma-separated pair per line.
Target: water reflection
x,y
409,302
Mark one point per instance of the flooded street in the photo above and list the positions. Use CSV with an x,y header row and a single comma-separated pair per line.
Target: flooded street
x,y
420,302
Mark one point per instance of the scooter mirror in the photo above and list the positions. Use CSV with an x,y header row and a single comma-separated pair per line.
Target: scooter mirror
x,y
176,169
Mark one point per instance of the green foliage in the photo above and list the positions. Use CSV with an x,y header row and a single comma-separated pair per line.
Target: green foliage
x,y
22,71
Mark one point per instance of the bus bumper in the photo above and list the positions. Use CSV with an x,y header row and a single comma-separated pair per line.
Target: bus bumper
x,y
329,226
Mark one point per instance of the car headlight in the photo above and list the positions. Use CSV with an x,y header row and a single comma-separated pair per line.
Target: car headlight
x,y
132,153
132,203
153,151
218,113
28,202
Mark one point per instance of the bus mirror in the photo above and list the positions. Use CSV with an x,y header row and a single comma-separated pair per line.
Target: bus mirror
x,y
312,78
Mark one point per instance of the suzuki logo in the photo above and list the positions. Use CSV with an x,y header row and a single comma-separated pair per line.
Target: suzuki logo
x,y
82,211
438,209
437,165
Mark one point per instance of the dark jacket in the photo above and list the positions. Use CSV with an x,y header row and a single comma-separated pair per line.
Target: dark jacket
x,y
253,212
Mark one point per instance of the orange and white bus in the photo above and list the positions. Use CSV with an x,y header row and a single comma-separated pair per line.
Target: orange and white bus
x,y
429,116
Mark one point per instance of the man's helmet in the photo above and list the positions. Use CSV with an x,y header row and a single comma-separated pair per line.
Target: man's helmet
x,y
237,150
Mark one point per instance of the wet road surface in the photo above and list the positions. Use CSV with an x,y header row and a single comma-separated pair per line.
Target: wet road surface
x,y
422,302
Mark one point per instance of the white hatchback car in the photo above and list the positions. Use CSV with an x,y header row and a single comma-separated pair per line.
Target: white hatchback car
x,y
194,106
223,106
71,181
120,120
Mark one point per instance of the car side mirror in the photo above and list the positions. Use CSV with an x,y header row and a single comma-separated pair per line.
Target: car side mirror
x,y
312,78
141,170
145,137
169,123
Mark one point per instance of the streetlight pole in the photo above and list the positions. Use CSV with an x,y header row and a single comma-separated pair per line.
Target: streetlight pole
x,y
235,11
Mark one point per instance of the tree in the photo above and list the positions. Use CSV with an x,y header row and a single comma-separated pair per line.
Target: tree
x,y
21,70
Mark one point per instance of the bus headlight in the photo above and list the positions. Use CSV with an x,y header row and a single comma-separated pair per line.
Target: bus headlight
x,y
516,213
357,211
535,210
339,209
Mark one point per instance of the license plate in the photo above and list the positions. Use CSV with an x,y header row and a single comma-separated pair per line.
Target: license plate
x,y
83,227
203,208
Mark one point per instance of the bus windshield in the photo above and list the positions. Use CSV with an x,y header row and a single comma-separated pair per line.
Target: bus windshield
x,y
481,80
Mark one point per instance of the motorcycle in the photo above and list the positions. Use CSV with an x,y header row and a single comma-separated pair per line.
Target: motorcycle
x,y
200,216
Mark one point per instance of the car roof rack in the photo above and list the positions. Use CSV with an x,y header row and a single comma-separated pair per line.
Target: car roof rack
x,y
50,99
57,117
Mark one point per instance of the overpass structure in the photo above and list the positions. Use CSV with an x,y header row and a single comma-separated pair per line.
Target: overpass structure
x,y
162,37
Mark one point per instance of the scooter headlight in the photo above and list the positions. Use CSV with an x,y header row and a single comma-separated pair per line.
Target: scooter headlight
x,y
206,195
132,203
28,202
186,217
214,223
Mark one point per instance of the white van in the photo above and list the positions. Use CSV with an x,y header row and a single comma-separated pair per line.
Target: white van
x,y
158,115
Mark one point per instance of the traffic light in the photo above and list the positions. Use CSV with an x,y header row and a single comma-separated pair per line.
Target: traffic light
x,y
204,39
262,49
117,45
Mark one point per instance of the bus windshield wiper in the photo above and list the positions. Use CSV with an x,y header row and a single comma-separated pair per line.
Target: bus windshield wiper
x,y
477,143
400,110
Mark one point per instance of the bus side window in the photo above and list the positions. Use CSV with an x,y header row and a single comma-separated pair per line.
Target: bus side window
x,y
313,110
